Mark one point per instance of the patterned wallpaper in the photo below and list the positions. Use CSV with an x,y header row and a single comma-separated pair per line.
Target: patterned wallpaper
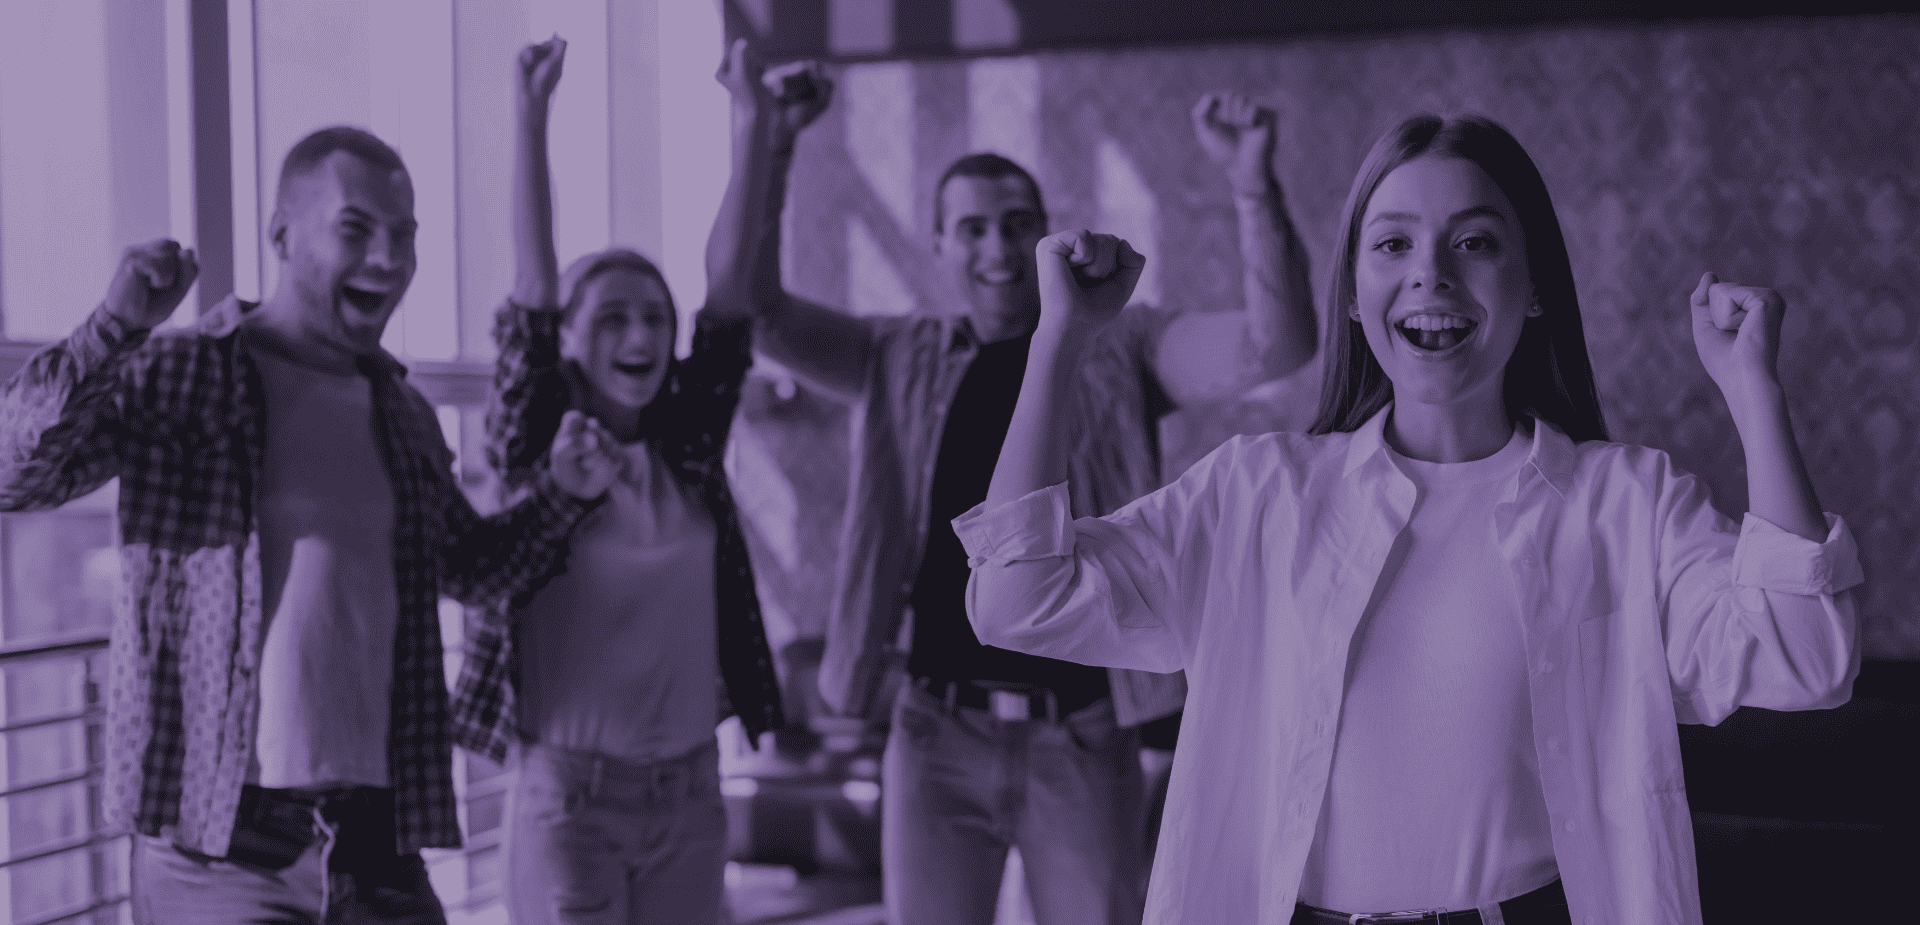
x,y
1777,152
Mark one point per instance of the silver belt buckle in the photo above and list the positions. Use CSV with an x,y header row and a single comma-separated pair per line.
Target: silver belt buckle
x,y
1012,706
1391,918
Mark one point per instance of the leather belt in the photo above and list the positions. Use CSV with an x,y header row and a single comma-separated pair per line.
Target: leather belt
x,y
1007,702
1544,906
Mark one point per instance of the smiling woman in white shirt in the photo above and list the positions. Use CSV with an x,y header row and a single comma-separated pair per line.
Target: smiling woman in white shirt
x,y
1437,647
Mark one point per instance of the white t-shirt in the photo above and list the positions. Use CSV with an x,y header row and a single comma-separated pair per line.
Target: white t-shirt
x,y
325,509
1434,797
619,654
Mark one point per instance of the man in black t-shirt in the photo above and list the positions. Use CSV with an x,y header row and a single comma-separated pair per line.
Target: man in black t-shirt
x,y
992,749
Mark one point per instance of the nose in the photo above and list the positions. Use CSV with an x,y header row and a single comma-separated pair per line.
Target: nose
x,y
1433,269
642,338
997,244
386,252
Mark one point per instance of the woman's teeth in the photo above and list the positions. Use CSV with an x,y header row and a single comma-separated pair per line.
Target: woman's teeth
x,y
1434,332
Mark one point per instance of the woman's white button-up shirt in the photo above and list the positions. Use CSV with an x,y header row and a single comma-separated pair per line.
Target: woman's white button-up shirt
x,y
1643,607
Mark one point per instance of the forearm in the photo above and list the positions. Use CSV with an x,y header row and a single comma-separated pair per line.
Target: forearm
x,y
62,414
1779,489
743,248
1279,300
536,268
1036,452
493,558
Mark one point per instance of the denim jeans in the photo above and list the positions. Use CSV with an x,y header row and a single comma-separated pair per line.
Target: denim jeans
x,y
594,840
173,886
959,787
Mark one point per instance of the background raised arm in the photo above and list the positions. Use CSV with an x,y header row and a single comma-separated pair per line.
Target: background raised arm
x,y
770,108
536,282
1280,325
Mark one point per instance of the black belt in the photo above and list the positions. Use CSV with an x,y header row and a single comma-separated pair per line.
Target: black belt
x,y
1008,701
1544,906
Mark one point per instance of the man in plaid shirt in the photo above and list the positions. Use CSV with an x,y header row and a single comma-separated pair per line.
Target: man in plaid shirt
x,y
278,734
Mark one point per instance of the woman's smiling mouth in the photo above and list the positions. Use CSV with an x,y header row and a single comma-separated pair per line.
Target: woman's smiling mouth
x,y
1434,333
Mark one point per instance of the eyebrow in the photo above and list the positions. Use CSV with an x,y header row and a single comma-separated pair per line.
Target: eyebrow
x,y
1021,212
364,215
1476,211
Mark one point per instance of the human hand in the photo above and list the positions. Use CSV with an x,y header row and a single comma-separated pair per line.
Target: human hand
x,y
1238,135
1736,330
801,92
150,283
540,65
1085,280
585,459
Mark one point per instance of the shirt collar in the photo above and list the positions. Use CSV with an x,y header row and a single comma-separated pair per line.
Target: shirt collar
x,y
1552,455
224,319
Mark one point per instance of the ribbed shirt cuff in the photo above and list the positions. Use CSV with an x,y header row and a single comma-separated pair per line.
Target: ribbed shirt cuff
x,y
1038,526
1773,559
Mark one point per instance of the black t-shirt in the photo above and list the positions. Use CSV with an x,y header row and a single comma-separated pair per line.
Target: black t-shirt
x,y
944,645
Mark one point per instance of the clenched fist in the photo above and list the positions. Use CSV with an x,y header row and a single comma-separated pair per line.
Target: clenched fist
x,y
585,459
1238,135
1085,280
152,280
1736,330
790,96
539,70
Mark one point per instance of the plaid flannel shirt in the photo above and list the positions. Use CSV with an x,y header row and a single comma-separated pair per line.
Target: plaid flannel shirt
x,y
177,417
688,423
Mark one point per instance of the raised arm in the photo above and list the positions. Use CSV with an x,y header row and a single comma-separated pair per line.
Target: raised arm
x,y
1092,590
1279,333
528,396
60,414
1085,280
1736,330
1768,620
829,348
536,280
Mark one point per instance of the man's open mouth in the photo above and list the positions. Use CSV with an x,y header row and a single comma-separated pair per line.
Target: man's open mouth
x,y
636,370
998,277
365,300
1435,333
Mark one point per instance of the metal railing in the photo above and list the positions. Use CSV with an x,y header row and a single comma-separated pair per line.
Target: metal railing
x,y
105,847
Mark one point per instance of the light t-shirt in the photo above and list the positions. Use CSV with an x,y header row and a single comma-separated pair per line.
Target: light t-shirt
x,y
619,654
325,509
1434,797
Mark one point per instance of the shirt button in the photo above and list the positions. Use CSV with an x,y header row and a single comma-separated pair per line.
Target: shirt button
x,y
1569,825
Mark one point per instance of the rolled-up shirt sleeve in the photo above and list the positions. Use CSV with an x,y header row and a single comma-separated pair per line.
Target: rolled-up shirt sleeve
x,y
1120,591
1037,526
1769,623
1772,559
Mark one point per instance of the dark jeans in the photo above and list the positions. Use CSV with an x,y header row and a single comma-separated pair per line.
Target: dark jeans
x,y
960,787
336,879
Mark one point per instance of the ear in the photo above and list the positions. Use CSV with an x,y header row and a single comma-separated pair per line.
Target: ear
x,y
277,233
